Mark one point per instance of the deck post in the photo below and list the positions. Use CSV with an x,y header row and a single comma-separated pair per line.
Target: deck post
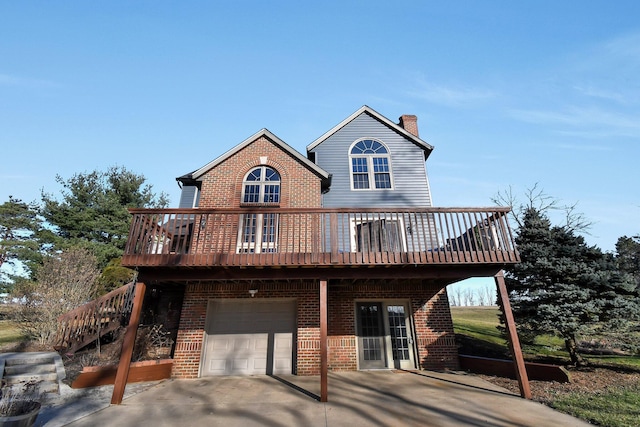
x,y
127,345
324,363
514,342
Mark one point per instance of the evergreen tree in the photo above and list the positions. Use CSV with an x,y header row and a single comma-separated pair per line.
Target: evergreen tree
x,y
91,214
20,237
93,210
563,286
628,256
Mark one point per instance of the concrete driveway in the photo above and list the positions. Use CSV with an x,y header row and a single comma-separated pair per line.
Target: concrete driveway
x,y
373,398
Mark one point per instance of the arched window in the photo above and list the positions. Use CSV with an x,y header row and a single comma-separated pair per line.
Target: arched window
x,y
258,232
370,165
261,185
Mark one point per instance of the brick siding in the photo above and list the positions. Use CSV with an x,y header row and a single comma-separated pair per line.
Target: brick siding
x,y
430,315
222,185
299,187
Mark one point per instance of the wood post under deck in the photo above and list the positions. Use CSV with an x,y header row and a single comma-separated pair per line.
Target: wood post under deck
x,y
324,363
127,345
514,342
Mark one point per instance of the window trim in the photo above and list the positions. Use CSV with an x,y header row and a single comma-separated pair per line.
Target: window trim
x,y
371,174
262,184
258,245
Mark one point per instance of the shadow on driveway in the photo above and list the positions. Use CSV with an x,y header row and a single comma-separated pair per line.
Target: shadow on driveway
x,y
365,398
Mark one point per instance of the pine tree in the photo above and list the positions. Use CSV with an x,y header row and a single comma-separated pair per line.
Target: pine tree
x,y
21,230
93,210
628,256
563,286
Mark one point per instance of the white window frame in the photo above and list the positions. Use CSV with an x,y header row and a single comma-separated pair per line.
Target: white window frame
x,y
371,174
369,218
412,338
257,245
262,184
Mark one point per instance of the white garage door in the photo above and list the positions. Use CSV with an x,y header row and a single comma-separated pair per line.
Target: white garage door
x,y
248,337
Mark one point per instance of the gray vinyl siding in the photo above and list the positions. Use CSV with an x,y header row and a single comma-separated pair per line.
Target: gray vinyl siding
x,y
189,197
410,184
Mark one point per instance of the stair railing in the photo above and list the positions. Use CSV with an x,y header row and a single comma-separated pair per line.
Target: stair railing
x,y
87,323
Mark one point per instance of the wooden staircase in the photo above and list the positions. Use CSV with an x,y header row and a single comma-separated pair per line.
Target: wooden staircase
x,y
87,323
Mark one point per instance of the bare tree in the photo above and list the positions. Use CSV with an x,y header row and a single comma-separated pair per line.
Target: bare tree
x,y
63,282
490,294
453,301
480,297
457,291
536,198
468,296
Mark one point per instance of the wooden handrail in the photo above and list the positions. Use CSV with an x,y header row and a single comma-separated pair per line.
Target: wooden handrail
x,y
90,321
269,236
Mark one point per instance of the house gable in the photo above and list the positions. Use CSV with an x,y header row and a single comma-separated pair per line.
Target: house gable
x,y
221,180
406,153
407,133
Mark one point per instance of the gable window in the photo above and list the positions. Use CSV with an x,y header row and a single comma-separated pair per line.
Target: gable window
x,y
370,165
258,232
261,185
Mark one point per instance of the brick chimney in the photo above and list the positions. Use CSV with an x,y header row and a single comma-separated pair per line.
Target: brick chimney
x,y
410,123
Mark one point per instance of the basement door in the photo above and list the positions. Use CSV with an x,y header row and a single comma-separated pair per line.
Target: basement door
x,y
385,338
249,337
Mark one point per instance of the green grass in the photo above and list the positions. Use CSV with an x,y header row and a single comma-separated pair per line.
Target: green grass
x,y
477,334
478,322
9,333
631,362
617,407
476,331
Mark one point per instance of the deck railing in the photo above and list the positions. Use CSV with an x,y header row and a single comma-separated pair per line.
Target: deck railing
x,y
301,237
87,323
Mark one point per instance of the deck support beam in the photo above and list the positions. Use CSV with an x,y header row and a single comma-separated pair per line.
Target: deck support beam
x,y
127,345
324,362
512,334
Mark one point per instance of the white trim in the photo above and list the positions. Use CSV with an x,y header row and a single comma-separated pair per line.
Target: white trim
x,y
370,169
258,246
277,141
388,347
262,184
196,197
370,111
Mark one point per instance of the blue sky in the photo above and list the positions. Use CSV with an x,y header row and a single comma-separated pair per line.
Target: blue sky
x,y
509,93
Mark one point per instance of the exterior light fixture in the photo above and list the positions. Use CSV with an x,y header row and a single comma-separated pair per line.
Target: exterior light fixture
x,y
253,292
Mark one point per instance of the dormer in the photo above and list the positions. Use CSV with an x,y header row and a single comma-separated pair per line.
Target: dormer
x,y
373,161
260,171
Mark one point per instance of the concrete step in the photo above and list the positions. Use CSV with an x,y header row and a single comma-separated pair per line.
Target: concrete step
x,y
25,359
38,388
37,372
26,378
30,369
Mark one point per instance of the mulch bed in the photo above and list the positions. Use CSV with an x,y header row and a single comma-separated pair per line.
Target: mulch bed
x,y
583,380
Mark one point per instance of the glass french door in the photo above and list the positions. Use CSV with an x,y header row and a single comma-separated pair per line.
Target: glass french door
x,y
385,339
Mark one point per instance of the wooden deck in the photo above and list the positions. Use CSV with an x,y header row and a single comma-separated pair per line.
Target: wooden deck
x,y
273,237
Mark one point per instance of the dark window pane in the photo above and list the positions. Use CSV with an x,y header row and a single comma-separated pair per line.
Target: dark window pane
x,y
251,193
271,175
360,181
255,175
383,180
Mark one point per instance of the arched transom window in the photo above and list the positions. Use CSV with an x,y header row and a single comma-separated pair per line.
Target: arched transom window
x,y
370,165
261,185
